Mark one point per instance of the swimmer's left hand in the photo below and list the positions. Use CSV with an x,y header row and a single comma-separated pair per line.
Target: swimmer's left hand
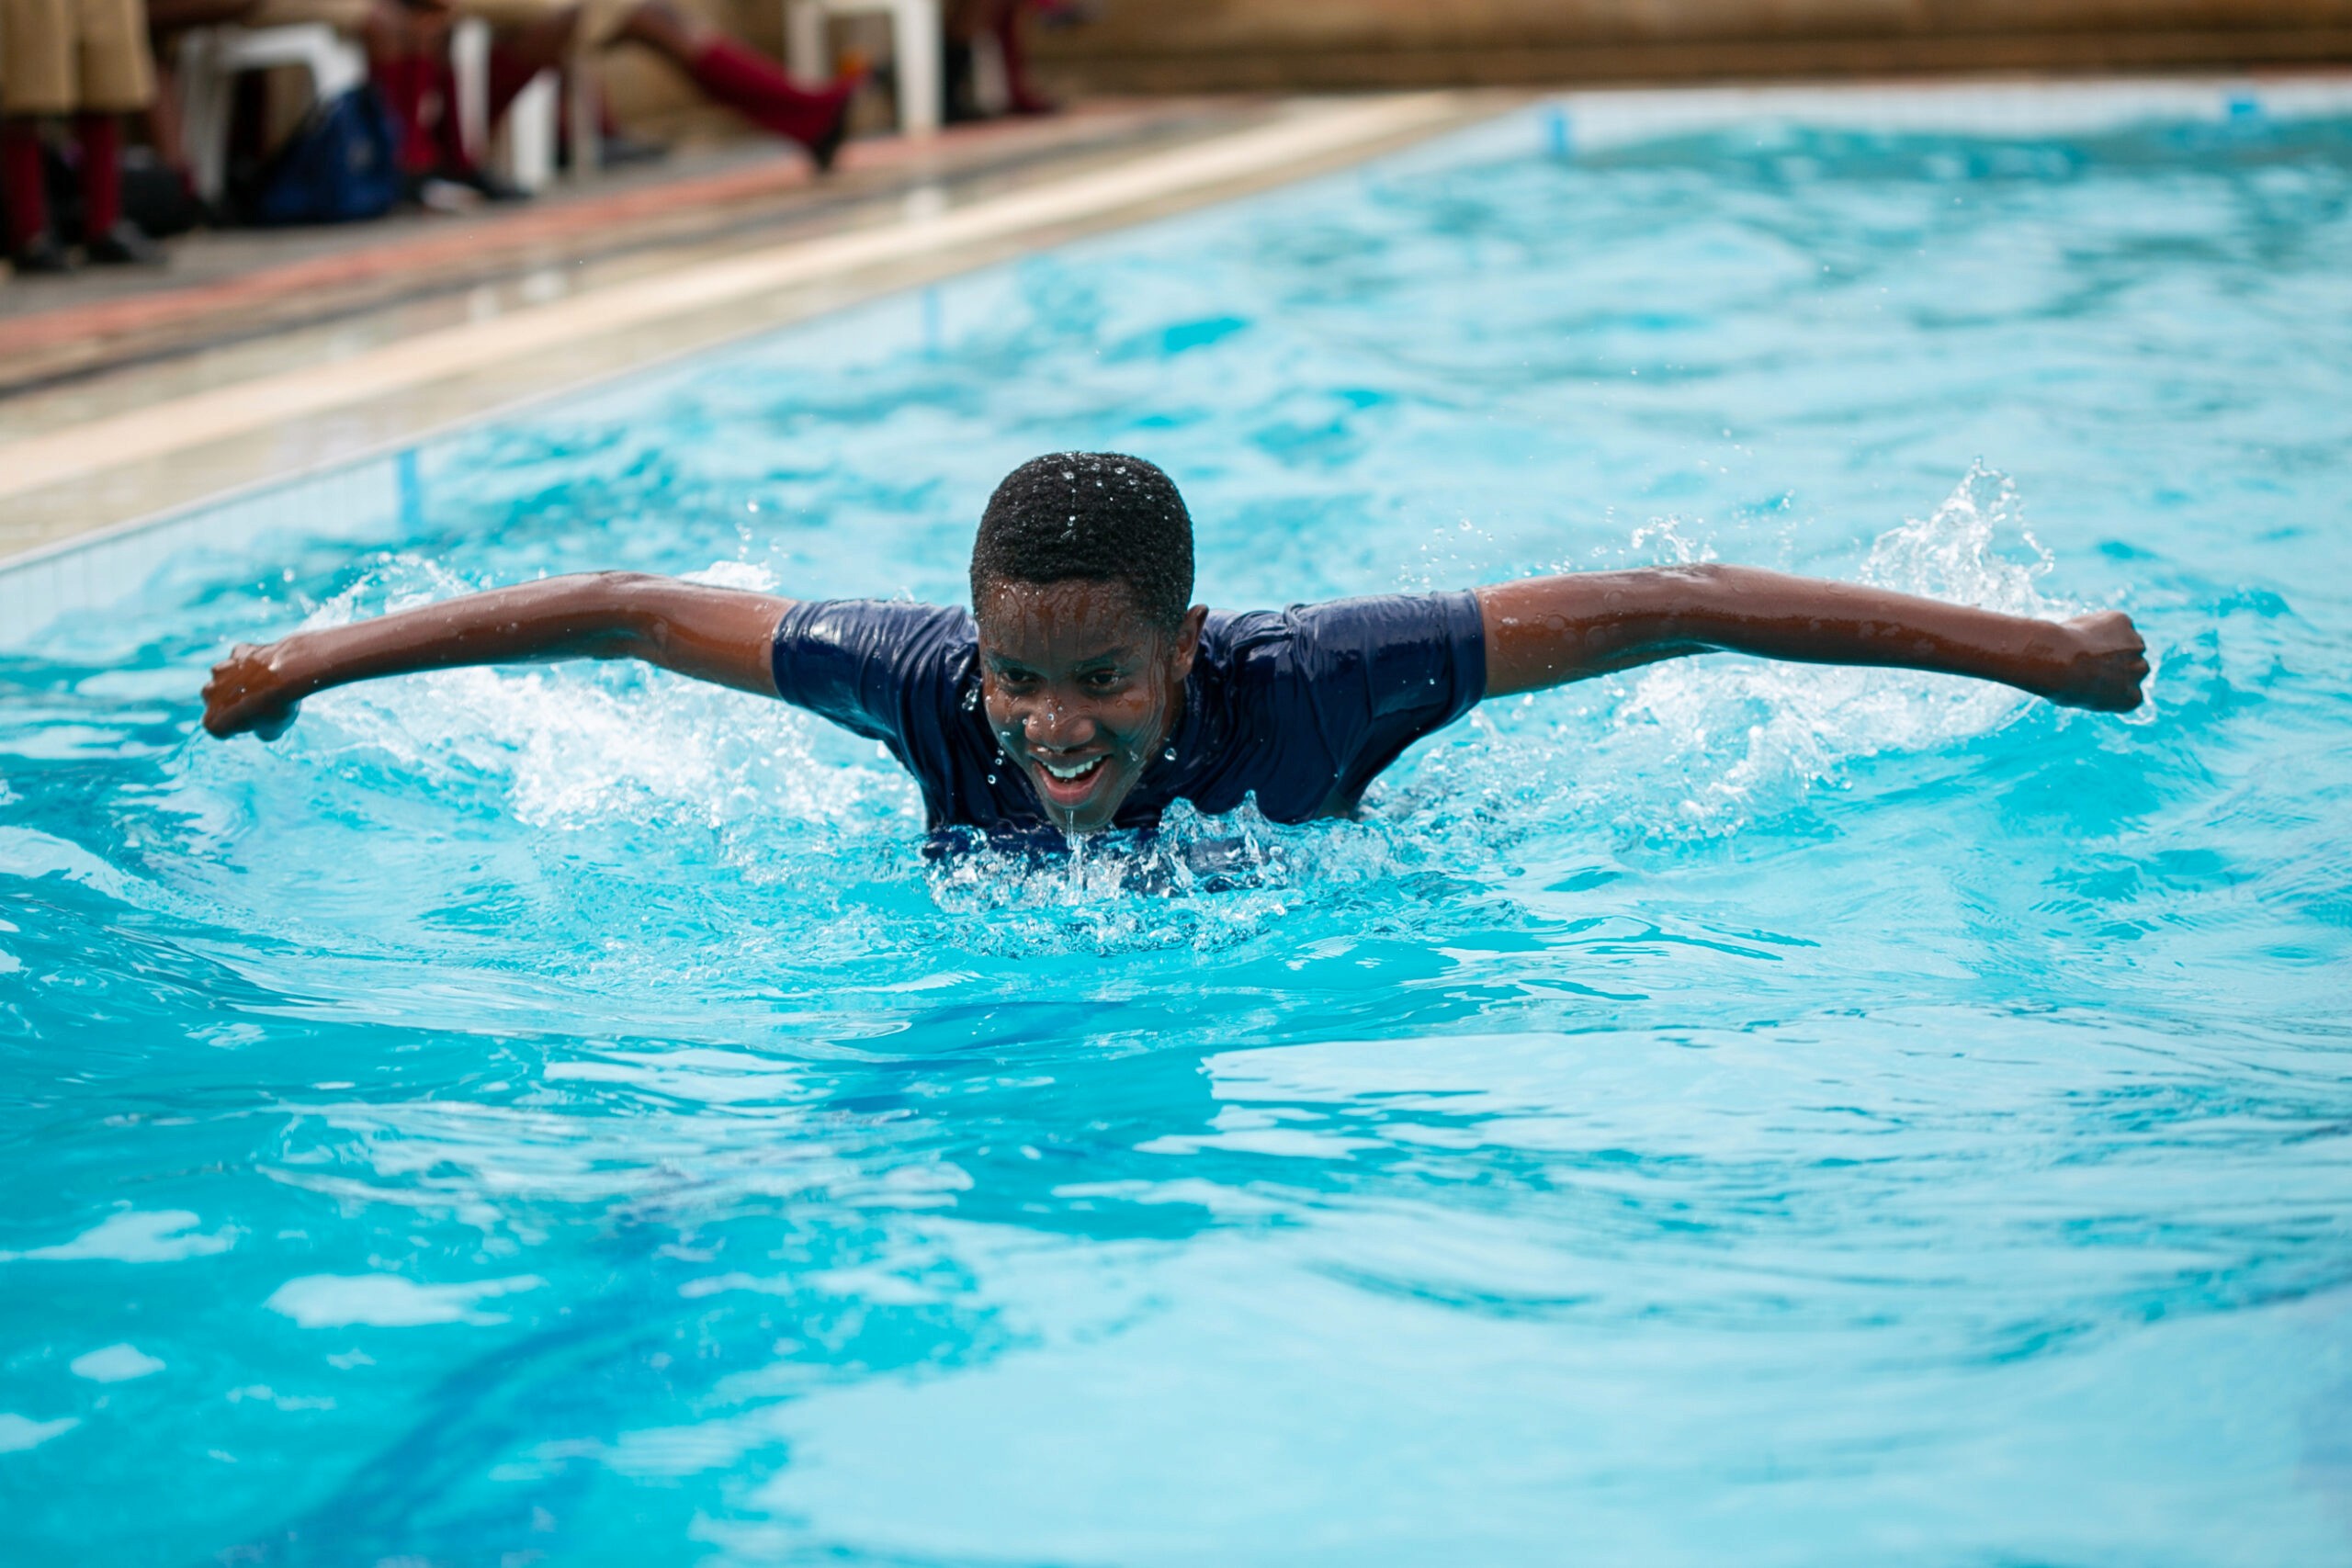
x,y
2107,665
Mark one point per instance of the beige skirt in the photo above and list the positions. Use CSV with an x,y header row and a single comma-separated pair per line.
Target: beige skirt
x,y
61,56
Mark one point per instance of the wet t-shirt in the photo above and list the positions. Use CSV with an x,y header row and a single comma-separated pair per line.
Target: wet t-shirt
x,y
1301,707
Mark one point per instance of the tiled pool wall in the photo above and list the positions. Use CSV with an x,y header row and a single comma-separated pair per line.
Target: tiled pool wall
x,y
2005,108
363,501
379,497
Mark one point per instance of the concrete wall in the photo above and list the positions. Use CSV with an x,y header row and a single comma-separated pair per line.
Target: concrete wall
x,y
1212,45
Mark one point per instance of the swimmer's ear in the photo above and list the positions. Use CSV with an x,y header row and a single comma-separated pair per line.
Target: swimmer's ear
x,y
1188,638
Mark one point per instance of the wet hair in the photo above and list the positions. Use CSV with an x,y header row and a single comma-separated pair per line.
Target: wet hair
x,y
1096,516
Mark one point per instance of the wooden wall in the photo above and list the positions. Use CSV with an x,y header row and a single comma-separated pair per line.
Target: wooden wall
x,y
1224,45
1186,46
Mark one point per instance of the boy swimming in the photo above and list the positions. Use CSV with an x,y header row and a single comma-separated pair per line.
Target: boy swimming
x,y
1086,690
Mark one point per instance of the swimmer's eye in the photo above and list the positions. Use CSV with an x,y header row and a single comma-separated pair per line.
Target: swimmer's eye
x,y
1101,680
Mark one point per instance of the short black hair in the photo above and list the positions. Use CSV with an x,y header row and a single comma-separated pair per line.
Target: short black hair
x,y
1099,516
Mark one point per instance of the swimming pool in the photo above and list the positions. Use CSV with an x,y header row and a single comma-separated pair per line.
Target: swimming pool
x,y
1723,1114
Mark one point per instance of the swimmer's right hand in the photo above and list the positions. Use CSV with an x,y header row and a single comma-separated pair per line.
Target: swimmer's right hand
x,y
247,692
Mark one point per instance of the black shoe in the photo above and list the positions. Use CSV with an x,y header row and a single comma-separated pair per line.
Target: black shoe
x,y
959,86
618,152
43,257
125,245
828,145
484,184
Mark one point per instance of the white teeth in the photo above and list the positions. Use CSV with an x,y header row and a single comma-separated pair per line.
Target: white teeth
x,y
1077,770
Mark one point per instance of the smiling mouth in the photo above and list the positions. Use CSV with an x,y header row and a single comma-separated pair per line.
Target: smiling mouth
x,y
1067,783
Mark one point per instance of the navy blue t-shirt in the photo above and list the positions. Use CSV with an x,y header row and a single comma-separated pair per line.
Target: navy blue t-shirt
x,y
1302,707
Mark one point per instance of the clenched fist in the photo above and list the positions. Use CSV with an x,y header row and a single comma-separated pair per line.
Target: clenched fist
x,y
2107,664
249,692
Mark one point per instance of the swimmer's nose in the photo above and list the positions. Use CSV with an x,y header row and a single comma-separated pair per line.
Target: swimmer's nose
x,y
1055,728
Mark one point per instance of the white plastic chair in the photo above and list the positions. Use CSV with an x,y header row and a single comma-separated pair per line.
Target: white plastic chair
x,y
914,48
522,151
210,60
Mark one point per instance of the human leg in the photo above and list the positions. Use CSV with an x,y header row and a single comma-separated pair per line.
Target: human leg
x,y
1023,92
35,80
108,238
532,36
743,79
965,23
402,47
117,78
527,38
33,246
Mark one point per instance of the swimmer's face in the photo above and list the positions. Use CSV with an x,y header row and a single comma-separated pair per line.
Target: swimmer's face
x,y
1082,689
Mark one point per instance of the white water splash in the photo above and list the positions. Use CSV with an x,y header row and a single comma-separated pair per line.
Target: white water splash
x,y
1201,882
1662,540
581,746
1739,731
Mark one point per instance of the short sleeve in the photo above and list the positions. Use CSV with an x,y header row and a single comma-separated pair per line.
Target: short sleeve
x,y
1379,673
878,668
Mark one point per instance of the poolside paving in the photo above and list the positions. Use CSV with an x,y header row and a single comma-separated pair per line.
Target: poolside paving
x,y
257,356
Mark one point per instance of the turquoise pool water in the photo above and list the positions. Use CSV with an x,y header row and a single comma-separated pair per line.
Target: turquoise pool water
x,y
1724,1114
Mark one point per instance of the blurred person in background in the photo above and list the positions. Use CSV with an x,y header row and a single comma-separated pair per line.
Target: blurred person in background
x,y
378,26
407,43
966,22
532,36
88,60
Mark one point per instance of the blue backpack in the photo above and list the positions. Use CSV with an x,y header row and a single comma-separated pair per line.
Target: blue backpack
x,y
342,165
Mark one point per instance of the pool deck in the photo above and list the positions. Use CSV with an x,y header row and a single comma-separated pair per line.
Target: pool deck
x,y
256,356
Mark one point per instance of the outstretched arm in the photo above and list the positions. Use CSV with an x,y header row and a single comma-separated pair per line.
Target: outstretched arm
x,y
720,634
1545,631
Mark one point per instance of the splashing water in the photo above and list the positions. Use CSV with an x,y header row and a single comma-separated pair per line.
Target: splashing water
x,y
1722,1113
1744,735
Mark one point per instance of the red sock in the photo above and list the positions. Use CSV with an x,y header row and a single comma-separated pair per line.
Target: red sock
x,y
1026,99
449,148
101,137
508,77
20,180
404,83
757,88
